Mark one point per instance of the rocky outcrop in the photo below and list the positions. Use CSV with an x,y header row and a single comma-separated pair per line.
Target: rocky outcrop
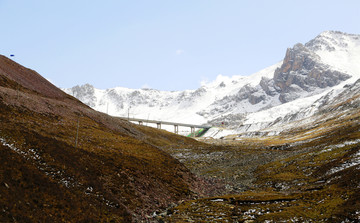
x,y
301,74
303,71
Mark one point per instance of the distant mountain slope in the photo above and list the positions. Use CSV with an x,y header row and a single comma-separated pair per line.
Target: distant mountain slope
x,y
308,72
185,106
63,161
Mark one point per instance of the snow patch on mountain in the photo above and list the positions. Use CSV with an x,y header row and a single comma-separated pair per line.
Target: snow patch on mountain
x,y
339,50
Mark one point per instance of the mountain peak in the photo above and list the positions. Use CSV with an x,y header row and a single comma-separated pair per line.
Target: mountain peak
x,y
331,41
334,33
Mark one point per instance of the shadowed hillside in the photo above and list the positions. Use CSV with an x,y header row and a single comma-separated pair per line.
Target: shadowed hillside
x,y
108,170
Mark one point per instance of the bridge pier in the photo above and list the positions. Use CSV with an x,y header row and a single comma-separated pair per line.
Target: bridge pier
x,y
192,130
176,129
158,125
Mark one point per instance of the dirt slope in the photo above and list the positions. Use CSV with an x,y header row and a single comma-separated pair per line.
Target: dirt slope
x,y
114,171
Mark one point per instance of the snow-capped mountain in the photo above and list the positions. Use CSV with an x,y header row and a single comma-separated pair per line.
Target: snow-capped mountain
x,y
339,54
287,91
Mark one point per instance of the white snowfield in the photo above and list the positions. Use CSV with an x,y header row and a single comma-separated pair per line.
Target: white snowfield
x,y
217,99
175,106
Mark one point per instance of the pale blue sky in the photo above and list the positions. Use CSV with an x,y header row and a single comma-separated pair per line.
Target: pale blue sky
x,y
162,44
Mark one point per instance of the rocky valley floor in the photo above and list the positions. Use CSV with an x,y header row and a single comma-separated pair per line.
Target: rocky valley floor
x,y
305,175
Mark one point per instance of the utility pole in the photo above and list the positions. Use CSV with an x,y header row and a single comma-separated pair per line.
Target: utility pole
x,y
129,113
77,132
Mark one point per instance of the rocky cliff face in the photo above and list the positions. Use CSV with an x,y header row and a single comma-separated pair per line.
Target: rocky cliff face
x,y
302,71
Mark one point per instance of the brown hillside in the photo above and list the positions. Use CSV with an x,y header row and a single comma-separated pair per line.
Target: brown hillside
x,y
116,172
13,74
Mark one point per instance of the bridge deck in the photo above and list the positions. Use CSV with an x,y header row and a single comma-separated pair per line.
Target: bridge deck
x,y
166,123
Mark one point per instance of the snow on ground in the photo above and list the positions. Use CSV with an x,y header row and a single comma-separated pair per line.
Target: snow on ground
x,y
11,146
355,160
282,110
33,155
347,143
218,133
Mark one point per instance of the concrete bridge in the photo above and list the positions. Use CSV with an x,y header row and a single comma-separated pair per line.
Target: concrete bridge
x,y
175,124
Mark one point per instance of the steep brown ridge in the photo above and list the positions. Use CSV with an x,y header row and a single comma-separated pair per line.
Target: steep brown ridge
x,y
61,161
13,73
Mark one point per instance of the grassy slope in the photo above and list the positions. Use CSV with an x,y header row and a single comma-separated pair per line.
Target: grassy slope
x,y
305,175
116,172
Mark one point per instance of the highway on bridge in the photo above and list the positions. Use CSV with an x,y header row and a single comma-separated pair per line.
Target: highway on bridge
x,y
159,123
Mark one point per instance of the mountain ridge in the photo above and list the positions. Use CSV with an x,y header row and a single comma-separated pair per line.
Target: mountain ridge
x,y
307,70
